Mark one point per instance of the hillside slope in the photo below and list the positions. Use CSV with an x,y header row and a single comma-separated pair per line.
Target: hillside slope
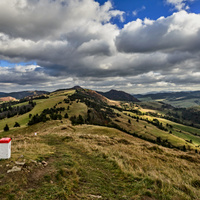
x,y
91,162
88,107
3,99
88,147
172,95
177,99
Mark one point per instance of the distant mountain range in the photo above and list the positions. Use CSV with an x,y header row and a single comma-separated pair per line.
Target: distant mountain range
x,y
112,94
171,95
119,96
22,94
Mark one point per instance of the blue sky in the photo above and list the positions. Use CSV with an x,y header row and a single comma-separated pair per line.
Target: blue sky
x,y
49,45
152,9
5,63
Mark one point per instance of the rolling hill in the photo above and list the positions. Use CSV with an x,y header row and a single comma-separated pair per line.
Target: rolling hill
x,y
90,147
177,99
2,99
119,96
22,94
171,95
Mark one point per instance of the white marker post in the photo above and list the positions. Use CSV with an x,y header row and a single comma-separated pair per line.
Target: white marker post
x,y
5,148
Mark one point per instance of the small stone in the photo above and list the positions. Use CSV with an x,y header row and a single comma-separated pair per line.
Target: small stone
x,y
14,169
19,163
95,196
51,181
44,163
7,165
34,161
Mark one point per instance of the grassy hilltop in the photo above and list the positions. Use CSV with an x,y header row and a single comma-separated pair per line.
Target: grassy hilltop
x,y
102,149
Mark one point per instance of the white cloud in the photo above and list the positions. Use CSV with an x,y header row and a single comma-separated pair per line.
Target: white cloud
x,y
74,42
135,12
27,68
38,19
180,31
179,4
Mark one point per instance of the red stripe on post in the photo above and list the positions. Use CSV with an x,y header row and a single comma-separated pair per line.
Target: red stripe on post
x,y
5,140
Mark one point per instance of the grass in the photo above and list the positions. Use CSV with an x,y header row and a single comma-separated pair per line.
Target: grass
x,y
152,132
187,132
184,103
180,133
41,104
89,162
77,109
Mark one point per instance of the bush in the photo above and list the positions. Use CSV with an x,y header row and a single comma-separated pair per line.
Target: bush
x,y
66,115
16,124
77,120
6,128
196,183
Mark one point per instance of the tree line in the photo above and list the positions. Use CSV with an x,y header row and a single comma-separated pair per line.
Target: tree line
x,y
47,114
10,111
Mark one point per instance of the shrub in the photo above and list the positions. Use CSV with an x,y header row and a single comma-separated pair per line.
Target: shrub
x,y
16,124
196,183
77,120
6,128
66,115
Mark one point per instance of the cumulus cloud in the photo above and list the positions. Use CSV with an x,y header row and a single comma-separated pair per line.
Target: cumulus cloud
x,y
73,42
58,35
37,19
178,32
31,74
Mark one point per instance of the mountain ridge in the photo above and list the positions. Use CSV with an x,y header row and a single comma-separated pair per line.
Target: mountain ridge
x,y
170,94
22,94
119,95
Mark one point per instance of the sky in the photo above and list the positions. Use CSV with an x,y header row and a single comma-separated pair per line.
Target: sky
x,y
137,46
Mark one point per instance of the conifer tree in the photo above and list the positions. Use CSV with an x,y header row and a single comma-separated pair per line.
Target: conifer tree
x,y
6,128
